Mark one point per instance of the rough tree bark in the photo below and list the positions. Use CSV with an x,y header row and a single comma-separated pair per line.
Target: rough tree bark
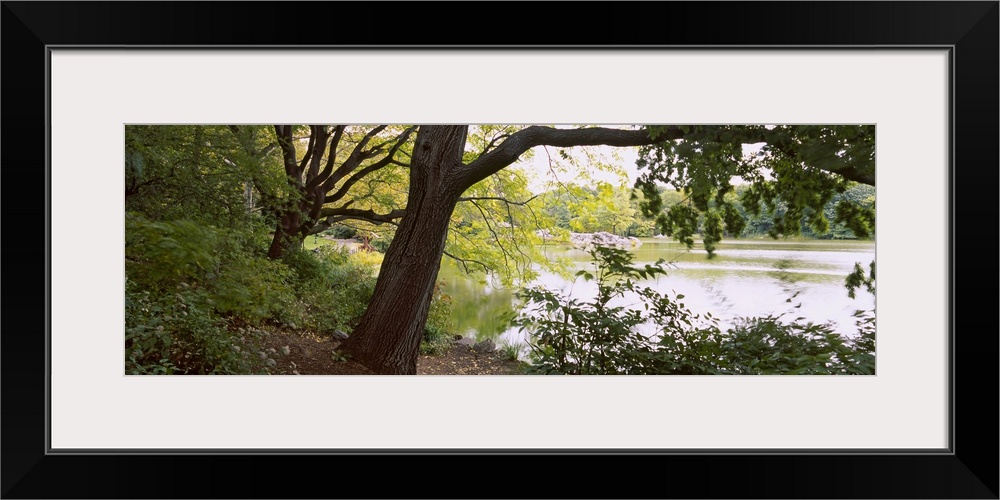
x,y
284,234
388,336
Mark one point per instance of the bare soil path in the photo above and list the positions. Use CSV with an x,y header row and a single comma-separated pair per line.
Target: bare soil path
x,y
312,354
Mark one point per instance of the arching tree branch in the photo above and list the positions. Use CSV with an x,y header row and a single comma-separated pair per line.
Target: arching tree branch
x,y
465,262
519,142
497,198
337,214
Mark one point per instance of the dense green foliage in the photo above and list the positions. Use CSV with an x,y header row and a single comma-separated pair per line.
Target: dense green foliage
x,y
209,174
792,179
858,279
439,329
859,198
603,208
198,298
582,209
652,333
200,292
493,229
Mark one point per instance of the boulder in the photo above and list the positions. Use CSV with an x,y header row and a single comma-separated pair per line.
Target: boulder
x,y
585,241
466,341
338,335
484,347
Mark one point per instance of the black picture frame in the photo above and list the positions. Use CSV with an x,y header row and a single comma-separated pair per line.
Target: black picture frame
x,y
968,470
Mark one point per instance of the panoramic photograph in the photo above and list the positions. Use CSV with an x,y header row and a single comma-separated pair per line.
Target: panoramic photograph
x,y
398,249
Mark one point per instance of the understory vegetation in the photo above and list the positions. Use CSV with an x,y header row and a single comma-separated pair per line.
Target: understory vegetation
x,y
198,298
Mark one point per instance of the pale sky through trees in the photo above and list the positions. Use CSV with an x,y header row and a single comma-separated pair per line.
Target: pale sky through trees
x,y
540,175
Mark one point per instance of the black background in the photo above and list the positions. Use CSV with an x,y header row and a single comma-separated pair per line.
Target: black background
x,y
971,472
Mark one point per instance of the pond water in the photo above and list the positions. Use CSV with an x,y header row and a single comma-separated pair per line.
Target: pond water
x,y
793,278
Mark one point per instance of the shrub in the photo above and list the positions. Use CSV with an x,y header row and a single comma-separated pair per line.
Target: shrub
x,y
371,260
573,336
178,334
436,341
767,346
195,294
439,314
159,255
510,351
331,288
253,288
313,264
341,232
439,327
188,286
381,243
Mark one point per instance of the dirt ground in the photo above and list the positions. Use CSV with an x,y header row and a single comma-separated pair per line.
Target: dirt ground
x,y
312,354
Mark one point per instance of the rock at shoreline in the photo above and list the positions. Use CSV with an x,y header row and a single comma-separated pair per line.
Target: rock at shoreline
x,y
585,241
485,347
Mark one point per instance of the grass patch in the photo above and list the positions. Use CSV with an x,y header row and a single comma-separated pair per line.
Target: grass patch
x,y
312,242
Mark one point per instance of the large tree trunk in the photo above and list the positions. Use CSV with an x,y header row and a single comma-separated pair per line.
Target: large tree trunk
x,y
286,234
387,339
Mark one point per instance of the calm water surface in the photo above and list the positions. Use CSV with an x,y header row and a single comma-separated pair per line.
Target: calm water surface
x,y
746,278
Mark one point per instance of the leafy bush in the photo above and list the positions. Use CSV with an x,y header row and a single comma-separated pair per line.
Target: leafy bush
x,y
223,266
439,314
191,289
381,243
253,288
195,295
766,346
573,336
159,255
313,264
178,334
341,232
353,284
332,288
435,342
439,326
510,351
179,284
371,260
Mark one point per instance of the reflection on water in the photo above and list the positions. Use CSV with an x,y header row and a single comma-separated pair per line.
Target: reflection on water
x,y
480,311
797,279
